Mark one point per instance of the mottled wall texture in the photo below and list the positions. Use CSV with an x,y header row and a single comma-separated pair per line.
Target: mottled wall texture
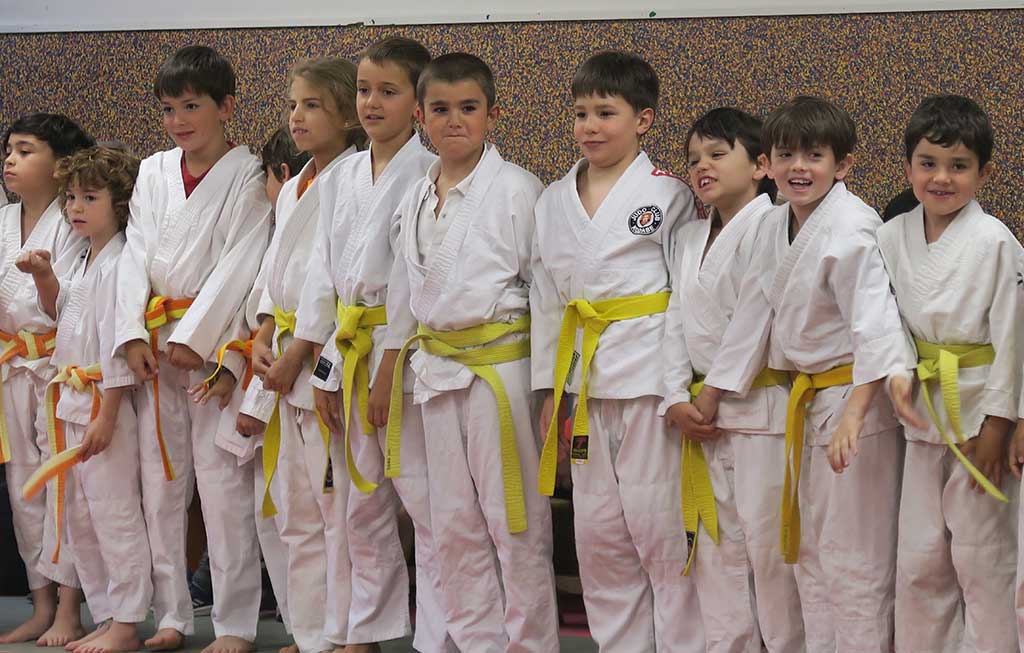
x,y
877,66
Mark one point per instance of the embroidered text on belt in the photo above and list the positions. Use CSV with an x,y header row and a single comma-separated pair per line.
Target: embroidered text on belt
x,y
593,318
474,348
31,347
805,386
354,340
698,495
82,379
284,323
942,363
160,311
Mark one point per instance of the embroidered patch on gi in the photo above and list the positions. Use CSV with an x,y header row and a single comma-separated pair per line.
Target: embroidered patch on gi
x,y
323,369
645,220
580,451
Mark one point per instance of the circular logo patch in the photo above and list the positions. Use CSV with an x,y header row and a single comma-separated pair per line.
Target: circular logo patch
x,y
645,220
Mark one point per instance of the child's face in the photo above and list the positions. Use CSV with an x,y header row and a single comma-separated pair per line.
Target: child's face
x,y
721,173
314,121
29,166
805,176
608,129
195,122
456,118
90,211
385,100
945,179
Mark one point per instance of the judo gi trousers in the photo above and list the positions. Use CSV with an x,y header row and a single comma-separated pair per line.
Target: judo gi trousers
x,y
630,538
498,588
268,534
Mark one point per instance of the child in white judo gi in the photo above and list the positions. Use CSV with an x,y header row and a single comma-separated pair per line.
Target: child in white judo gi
x,y
349,277
198,227
298,456
463,255
816,297
603,261
956,272
89,401
738,459
32,146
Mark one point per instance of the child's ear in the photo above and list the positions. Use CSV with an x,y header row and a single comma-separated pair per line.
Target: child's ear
x,y
492,117
843,167
985,173
906,170
645,120
419,116
760,167
286,172
226,109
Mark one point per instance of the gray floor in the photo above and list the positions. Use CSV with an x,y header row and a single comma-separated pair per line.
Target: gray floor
x,y
271,634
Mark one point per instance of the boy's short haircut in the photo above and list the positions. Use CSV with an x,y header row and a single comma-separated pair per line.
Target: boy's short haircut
x,y
96,168
732,125
458,67
806,122
408,54
280,149
618,73
62,134
947,120
196,68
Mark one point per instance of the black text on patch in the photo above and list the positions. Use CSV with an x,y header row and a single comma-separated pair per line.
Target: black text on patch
x,y
645,220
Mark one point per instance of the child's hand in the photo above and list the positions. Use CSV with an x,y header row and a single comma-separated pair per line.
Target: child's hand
x,y
842,449
706,403
988,450
141,359
900,394
1016,452
98,436
262,358
691,422
380,393
328,404
182,357
34,262
222,387
281,375
249,426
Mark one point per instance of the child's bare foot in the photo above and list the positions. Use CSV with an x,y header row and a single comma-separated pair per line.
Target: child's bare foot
x,y
291,648
229,644
67,622
118,638
165,639
363,648
102,628
44,608
337,649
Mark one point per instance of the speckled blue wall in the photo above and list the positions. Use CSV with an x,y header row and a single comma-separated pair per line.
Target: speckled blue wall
x,y
878,66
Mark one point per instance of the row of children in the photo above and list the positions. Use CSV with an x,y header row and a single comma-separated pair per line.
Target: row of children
x,y
750,333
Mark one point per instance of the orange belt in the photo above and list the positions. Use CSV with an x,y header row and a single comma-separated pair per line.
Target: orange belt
x,y
243,347
29,346
161,311
80,379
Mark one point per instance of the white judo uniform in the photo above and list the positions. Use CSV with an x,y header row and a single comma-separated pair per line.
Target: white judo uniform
x,y
468,266
957,553
353,264
630,538
206,247
312,520
744,462
818,303
105,525
24,387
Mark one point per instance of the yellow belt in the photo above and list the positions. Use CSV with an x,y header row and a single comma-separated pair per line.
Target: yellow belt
x,y
942,363
354,339
161,311
805,386
481,361
698,495
81,379
284,321
30,346
593,318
